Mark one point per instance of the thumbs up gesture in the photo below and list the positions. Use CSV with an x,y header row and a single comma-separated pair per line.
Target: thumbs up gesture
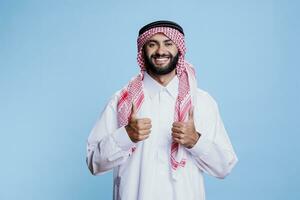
x,y
184,132
138,129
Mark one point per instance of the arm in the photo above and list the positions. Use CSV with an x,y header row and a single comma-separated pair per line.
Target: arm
x,y
108,146
213,152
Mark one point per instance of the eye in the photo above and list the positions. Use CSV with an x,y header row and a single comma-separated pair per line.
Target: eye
x,y
151,44
168,44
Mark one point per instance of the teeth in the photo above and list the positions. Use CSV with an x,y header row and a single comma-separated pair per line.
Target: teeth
x,y
160,59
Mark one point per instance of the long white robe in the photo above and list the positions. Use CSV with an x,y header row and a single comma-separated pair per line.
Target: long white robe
x,y
145,174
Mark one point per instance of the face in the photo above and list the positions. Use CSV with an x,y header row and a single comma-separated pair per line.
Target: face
x,y
161,54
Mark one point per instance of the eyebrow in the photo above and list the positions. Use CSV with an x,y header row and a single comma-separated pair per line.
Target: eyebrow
x,y
167,40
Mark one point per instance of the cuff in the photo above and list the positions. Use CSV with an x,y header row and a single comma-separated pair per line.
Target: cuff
x,y
201,148
122,139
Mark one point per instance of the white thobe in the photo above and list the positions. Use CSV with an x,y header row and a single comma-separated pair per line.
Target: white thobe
x,y
145,174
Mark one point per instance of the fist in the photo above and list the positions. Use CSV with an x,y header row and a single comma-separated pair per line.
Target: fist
x,y
184,133
138,129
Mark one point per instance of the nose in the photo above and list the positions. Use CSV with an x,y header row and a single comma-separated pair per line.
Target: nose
x,y
161,49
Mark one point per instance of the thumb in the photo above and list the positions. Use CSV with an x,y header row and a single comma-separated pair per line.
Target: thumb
x,y
133,111
191,113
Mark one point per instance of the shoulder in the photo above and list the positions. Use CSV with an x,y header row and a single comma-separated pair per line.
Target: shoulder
x,y
204,97
206,104
113,100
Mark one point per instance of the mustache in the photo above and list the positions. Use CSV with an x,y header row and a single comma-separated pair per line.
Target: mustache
x,y
161,56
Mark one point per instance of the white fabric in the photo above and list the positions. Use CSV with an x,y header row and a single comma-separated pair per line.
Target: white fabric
x,y
146,174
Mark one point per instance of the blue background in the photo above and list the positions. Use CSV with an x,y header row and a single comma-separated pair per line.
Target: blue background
x,y
60,61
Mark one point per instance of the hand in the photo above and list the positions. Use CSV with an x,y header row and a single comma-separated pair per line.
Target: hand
x,y
184,132
138,129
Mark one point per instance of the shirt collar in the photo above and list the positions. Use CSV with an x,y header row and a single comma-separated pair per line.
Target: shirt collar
x,y
153,87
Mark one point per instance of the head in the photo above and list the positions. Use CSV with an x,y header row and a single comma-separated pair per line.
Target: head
x,y
161,47
160,54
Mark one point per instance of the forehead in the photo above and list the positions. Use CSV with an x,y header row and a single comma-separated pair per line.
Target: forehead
x,y
159,37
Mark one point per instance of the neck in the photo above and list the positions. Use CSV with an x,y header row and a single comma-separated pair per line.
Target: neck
x,y
163,79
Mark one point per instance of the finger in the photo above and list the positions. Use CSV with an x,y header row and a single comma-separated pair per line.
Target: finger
x,y
145,127
177,135
133,111
177,140
144,132
140,123
145,120
142,137
176,130
191,113
177,124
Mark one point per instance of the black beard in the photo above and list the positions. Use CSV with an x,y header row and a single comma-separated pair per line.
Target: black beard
x,y
150,66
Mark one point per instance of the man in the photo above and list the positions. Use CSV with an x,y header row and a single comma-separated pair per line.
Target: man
x,y
160,133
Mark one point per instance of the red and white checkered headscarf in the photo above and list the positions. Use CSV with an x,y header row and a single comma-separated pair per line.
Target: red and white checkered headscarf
x,y
133,92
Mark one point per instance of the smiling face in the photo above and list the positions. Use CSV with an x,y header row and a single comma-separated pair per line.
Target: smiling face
x,y
161,54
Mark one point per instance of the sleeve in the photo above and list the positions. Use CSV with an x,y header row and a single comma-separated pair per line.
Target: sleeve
x,y
108,146
213,152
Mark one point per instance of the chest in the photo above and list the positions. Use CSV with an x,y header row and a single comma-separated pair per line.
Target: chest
x,y
160,109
